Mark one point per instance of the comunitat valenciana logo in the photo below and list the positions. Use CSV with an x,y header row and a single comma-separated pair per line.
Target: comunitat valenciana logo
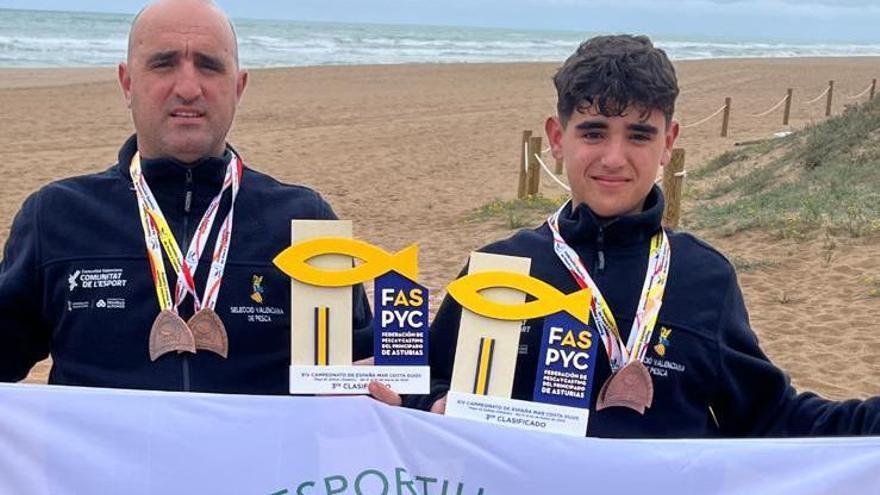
x,y
376,482
71,280
96,278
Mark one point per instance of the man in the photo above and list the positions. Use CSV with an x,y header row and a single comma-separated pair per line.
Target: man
x,y
144,275
614,130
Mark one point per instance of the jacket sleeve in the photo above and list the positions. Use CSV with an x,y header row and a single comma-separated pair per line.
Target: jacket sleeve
x,y
755,398
362,316
24,335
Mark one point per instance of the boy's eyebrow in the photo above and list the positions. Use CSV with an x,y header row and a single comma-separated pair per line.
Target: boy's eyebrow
x,y
587,125
646,128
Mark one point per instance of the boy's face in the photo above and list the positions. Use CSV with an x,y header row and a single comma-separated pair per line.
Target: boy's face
x,y
612,162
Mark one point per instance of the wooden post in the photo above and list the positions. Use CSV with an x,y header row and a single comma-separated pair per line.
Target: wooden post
x,y
787,112
534,177
558,167
672,180
521,191
726,121
873,87
830,95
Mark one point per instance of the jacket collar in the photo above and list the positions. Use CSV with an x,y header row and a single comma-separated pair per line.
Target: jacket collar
x,y
582,227
208,171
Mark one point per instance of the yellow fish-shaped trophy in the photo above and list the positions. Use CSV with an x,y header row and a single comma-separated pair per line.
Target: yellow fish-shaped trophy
x,y
376,262
548,299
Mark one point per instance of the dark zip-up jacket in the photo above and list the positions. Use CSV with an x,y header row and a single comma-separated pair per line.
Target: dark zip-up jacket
x,y
710,377
75,282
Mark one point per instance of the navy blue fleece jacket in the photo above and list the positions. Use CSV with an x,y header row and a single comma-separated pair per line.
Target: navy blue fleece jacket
x,y
710,379
75,281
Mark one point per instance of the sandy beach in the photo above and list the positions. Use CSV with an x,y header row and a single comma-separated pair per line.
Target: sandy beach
x,y
406,151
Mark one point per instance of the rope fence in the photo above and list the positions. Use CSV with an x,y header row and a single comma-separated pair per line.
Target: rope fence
x,y
786,101
551,174
774,107
814,100
707,119
683,173
673,180
863,93
532,164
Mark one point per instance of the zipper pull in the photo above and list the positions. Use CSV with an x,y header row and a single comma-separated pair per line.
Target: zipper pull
x,y
188,202
600,245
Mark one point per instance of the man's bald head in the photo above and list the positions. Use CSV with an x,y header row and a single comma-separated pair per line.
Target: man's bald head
x,y
181,79
175,6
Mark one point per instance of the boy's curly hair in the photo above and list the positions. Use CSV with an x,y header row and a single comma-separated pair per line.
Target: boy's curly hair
x,y
610,74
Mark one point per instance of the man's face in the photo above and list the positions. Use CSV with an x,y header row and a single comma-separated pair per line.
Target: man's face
x,y
182,81
612,162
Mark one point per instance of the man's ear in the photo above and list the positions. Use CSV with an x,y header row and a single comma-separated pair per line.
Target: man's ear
x,y
240,84
125,82
671,136
554,130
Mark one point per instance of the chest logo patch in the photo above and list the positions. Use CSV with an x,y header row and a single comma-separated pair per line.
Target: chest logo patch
x,y
257,289
663,341
97,278
72,280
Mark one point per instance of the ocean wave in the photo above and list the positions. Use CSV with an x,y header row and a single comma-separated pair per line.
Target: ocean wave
x,y
44,44
683,50
52,39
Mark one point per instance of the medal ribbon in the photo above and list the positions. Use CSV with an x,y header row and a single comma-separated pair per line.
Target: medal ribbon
x,y
619,354
221,247
158,235
186,284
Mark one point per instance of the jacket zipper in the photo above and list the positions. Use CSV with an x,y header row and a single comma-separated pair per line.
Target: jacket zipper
x,y
187,206
600,250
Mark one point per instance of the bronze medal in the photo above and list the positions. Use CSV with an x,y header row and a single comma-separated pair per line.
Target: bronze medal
x,y
209,332
630,387
170,333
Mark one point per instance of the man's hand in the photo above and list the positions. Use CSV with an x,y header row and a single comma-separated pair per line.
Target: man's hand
x,y
439,406
382,393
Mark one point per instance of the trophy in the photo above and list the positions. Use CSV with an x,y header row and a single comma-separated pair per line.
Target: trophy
x,y
492,296
321,264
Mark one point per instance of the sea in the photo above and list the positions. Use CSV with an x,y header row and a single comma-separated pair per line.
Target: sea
x,y
79,39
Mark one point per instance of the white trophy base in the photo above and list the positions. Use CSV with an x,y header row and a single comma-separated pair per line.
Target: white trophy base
x,y
353,380
525,415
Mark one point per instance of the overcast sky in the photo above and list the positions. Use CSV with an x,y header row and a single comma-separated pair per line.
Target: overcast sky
x,y
804,20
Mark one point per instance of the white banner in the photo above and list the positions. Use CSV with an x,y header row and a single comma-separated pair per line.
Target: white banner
x,y
65,440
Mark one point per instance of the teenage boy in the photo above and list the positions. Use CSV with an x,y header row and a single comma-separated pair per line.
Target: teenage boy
x,y
708,376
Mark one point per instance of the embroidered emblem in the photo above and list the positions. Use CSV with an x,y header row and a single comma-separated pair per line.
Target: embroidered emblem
x,y
71,280
96,278
663,341
258,289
